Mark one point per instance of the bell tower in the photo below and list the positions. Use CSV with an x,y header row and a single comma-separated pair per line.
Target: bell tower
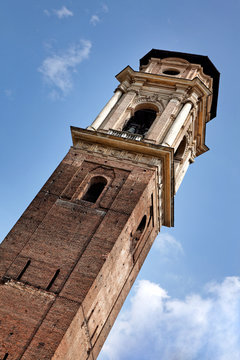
x,y
70,260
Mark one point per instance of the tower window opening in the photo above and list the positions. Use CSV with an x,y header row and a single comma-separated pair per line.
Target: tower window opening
x,y
140,229
96,186
138,233
53,279
171,72
142,224
151,217
181,149
24,270
140,122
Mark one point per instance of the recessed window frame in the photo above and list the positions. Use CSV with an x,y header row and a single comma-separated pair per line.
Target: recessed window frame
x,y
78,197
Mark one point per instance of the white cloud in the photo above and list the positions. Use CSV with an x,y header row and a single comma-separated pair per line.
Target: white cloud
x,y
46,12
196,328
94,20
168,246
105,8
63,12
57,69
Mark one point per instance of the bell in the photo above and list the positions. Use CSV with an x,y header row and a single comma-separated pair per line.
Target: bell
x,y
132,129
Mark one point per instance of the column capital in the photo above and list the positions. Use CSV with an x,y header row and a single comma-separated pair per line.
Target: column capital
x,y
176,99
124,85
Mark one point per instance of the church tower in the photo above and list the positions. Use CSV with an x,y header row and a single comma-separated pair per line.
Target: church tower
x,y
71,259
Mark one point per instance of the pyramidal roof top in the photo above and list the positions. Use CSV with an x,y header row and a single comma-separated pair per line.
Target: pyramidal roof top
x,y
204,61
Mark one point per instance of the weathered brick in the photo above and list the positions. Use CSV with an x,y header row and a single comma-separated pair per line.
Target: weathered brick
x,y
25,309
51,330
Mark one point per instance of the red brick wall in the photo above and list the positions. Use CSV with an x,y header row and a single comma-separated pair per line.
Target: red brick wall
x,y
66,261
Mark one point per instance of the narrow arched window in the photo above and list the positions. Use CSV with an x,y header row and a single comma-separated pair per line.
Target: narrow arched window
x,y
95,188
138,233
181,149
139,230
142,224
140,122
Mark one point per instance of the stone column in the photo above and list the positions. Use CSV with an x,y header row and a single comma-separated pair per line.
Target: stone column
x,y
106,110
176,126
116,120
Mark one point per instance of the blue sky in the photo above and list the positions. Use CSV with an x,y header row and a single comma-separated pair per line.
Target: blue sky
x,y
58,61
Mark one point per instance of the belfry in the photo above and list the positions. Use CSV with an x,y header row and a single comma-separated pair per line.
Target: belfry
x,y
70,260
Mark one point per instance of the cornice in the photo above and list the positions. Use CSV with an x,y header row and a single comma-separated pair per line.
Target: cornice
x,y
129,73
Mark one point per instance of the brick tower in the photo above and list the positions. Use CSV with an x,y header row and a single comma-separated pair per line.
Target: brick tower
x,y
71,259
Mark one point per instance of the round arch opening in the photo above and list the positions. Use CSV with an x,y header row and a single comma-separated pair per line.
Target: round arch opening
x,y
141,121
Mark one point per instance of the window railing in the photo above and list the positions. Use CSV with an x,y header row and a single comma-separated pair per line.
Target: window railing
x,y
125,135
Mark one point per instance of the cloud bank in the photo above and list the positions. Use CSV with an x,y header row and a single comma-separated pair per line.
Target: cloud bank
x,y
196,328
57,69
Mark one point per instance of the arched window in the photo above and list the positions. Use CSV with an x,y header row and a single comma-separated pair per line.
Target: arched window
x,y
95,188
181,149
140,122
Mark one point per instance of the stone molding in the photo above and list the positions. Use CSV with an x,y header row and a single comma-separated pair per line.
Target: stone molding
x,y
152,99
